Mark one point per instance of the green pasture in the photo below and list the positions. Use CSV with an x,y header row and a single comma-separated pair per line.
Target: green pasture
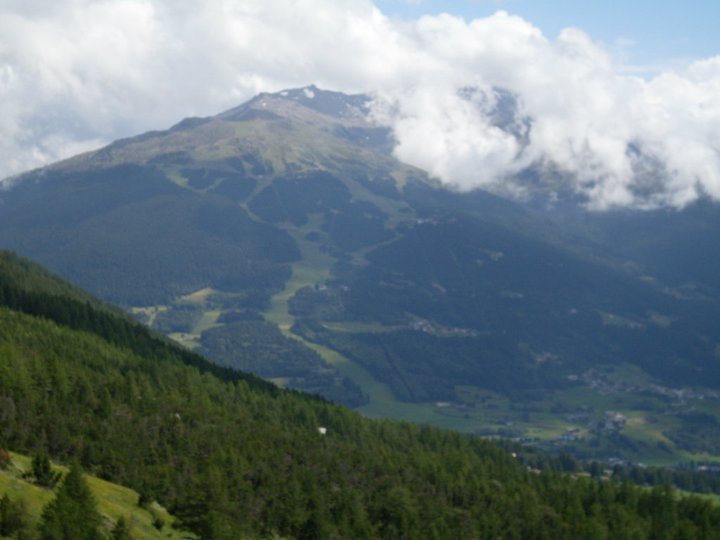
x,y
113,501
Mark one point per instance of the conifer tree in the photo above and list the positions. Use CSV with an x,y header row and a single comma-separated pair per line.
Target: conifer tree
x,y
73,515
13,516
43,473
121,531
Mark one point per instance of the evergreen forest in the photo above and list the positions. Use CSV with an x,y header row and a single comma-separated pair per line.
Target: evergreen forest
x,y
233,456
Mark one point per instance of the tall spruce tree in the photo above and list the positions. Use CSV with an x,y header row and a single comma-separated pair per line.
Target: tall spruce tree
x,y
43,473
73,515
121,531
13,517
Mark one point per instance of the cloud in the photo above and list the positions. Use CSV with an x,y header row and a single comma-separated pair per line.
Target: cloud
x,y
474,102
618,139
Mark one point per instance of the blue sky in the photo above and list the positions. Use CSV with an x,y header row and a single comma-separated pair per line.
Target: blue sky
x,y
655,33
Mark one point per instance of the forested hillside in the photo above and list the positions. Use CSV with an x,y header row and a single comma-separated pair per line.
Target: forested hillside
x,y
234,457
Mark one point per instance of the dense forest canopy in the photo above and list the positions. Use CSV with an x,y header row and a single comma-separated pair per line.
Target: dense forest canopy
x,y
235,457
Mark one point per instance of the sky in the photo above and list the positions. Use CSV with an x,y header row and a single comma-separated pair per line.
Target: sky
x,y
620,99
648,35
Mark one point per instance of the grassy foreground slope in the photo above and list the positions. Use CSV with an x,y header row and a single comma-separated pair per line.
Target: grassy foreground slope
x,y
113,502
233,457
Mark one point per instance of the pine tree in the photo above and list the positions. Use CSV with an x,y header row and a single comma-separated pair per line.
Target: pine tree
x,y
43,473
13,516
121,531
73,514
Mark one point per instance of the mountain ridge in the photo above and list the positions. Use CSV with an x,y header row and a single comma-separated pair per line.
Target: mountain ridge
x,y
339,114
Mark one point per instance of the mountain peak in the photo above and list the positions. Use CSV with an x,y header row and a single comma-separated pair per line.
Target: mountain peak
x,y
305,128
352,108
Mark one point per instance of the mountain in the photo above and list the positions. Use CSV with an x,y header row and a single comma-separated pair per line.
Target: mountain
x,y
283,237
233,457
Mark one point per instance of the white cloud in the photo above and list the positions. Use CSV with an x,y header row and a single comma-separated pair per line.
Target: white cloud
x,y
74,73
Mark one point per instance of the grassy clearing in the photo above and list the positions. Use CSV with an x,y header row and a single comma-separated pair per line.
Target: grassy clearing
x,y
176,178
207,321
547,427
700,456
358,327
149,313
313,268
642,429
11,482
715,499
302,276
198,297
189,341
113,501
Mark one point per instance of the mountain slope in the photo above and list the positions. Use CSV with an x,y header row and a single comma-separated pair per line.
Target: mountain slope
x,y
24,276
281,236
113,502
232,459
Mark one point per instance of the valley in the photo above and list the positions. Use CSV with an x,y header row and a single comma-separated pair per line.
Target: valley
x,y
616,413
283,238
